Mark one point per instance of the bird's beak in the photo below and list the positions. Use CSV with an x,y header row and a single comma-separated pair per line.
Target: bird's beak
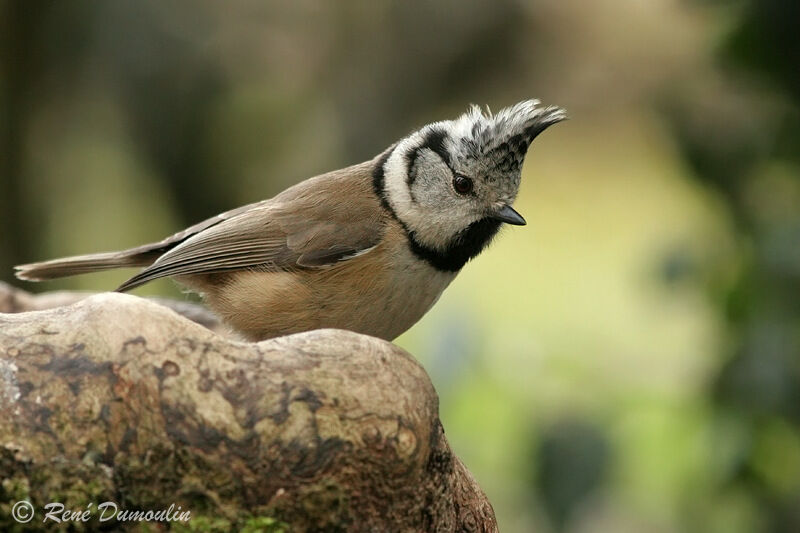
x,y
508,215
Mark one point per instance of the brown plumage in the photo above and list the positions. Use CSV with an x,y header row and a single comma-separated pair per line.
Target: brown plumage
x,y
262,267
368,248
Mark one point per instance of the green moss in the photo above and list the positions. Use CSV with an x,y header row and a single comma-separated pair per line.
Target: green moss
x,y
204,524
250,524
264,524
14,489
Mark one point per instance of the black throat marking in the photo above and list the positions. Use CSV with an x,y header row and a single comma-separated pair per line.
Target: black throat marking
x,y
464,246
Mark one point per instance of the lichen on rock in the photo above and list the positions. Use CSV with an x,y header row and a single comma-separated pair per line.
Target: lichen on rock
x,y
116,398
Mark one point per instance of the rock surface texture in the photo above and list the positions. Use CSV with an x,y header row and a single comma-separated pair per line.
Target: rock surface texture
x,y
117,398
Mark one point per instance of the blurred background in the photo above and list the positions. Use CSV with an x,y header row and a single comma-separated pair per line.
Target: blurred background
x,y
627,362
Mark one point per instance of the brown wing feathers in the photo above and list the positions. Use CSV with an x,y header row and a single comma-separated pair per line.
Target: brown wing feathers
x,y
315,223
270,238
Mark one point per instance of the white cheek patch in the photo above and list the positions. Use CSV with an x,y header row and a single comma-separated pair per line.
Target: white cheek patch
x,y
490,146
432,180
433,225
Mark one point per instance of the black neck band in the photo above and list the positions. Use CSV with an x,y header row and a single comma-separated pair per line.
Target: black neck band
x,y
463,247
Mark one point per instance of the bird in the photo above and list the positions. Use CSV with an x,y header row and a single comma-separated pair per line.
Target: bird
x,y
369,248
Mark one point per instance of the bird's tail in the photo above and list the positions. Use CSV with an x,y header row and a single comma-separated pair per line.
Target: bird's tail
x,y
84,264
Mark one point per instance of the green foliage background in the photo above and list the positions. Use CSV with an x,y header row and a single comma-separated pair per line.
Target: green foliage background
x,y
629,361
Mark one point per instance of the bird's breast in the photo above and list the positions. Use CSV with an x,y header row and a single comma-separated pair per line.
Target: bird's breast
x,y
381,293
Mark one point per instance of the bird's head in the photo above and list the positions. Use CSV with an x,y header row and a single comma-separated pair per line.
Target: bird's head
x,y
452,183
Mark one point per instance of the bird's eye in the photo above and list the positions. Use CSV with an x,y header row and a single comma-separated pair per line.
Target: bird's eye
x,y
462,184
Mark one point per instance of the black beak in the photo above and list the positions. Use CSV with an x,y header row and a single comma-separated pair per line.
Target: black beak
x,y
508,215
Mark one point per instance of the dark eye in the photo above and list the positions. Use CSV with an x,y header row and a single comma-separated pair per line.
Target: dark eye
x,y
462,184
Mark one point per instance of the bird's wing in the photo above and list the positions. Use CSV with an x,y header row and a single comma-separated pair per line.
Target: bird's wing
x,y
314,224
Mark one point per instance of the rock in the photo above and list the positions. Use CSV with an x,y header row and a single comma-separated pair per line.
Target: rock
x,y
118,399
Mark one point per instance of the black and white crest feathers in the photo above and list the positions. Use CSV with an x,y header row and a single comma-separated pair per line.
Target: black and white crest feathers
x,y
414,178
500,141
